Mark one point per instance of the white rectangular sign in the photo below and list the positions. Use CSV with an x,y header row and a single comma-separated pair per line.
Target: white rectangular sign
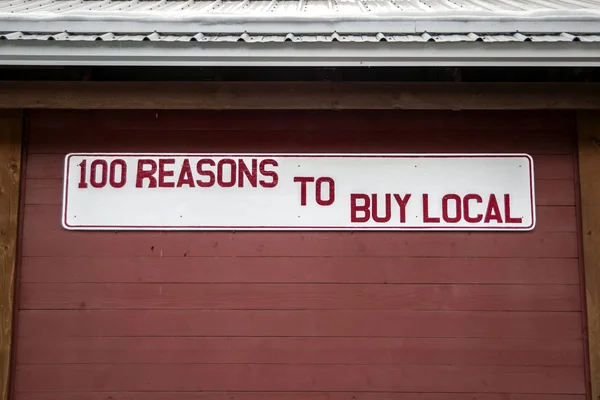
x,y
299,192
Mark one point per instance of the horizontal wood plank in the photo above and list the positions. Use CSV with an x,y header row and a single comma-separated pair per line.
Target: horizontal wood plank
x,y
248,377
299,95
548,218
355,351
303,120
443,140
286,396
163,296
483,270
556,219
43,191
554,167
339,323
555,193
59,243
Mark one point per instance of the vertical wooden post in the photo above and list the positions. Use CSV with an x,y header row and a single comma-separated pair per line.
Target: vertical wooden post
x,y
10,166
589,177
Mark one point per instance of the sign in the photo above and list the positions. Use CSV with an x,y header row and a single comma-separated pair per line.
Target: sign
x,y
299,192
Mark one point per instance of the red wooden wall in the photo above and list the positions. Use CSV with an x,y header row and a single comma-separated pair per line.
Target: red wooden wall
x,y
290,316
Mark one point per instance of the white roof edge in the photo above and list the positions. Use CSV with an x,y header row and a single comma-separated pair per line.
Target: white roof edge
x,y
301,16
312,26
37,53
575,14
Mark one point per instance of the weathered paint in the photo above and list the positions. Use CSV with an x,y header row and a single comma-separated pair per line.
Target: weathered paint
x,y
314,315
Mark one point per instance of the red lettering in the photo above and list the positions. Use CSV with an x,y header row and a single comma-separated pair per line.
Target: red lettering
x,y
458,212
319,190
303,181
185,175
244,171
143,173
468,216
355,208
269,174
221,172
82,166
493,211
209,174
388,208
426,218
103,173
402,202
113,173
509,219
163,173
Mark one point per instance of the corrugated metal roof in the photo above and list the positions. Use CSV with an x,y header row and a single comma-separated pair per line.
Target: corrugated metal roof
x,y
308,19
274,8
277,32
301,38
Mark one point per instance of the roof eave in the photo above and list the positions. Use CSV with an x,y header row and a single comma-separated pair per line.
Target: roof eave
x,y
442,24
37,53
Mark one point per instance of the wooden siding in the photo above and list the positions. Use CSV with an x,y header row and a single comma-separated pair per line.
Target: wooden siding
x,y
86,95
307,315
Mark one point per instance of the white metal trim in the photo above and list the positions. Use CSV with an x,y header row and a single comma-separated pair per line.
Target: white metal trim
x,y
23,52
491,25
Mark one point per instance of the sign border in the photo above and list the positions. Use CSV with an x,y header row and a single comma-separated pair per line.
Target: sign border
x,y
496,228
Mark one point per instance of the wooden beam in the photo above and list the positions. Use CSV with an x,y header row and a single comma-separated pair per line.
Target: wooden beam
x,y
299,95
589,167
10,167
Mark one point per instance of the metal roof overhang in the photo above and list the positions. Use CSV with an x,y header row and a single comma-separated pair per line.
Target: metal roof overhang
x,y
545,21
146,53
300,33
